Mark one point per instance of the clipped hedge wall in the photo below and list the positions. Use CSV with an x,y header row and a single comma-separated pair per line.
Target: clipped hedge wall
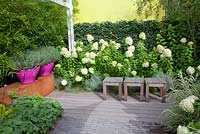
x,y
118,31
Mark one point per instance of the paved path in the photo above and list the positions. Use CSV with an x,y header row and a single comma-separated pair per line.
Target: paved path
x,y
87,113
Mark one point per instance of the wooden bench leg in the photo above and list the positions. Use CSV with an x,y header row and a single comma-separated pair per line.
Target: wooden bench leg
x,y
104,91
147,92
125,92
120,91
141,92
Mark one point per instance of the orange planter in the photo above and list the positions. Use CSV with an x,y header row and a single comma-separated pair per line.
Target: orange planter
x,y
42,86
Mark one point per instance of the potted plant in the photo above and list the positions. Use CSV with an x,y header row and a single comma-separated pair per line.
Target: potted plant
x,y
27,66
48,56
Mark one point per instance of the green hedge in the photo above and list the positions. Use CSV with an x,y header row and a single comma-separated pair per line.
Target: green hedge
x,y
118,31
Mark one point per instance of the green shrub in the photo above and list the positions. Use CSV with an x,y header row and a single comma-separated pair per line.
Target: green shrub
x,y
31,115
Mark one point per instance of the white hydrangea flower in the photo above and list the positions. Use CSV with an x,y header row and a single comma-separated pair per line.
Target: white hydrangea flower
x,y
128,54
114,63
182,130
84,71
187,105
103,47
92,61
190,43
67,54
85,60
74,54
145,64
92,55
154,65
160,48
78,78
198,67
101,41
167,52
73,49
119,65
190,70
63,50
112,42
91,70
95,46
117,46
192,98
58,65
90,38
142,36
79,49
105,43
129,40
162,56
63,82
87,54
134,73
183,40
131,48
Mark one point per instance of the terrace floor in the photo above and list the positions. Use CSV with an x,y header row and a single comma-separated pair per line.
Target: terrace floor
x,y
88,113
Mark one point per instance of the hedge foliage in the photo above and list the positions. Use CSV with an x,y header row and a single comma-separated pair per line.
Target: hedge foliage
x,y
118,31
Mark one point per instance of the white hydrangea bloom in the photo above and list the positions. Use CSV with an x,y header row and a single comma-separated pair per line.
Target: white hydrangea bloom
x,y
190,70
91,70
190,43
63,50
74,54
73,49
117,46
87,54
67,54
105,43
131,48
92,55
182,130
183,40
134,73
128,54
79,49
58,65
84,71
160,48
142,36
101,41
103,47
154,65
145,64
95,46
192,98
63,82
167,52
92,61
85,60
90,38
187,105
114,63
129,40
119,65
162,56
198,67
112,42
78,78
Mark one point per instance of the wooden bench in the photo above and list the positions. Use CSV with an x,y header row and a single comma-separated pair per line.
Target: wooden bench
x,y
112,81
156,82
134,82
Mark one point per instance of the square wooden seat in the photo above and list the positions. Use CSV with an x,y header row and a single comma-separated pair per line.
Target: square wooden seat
x,y
156,82
134,82
112,81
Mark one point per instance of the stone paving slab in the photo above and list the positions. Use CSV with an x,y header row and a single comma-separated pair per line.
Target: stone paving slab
x,y
87,113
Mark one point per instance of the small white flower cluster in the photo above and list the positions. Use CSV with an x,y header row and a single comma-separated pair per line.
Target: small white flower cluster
x,y
183,130
183,40
78,78
145,64
79,49
63,82
142,36
74,53
58,66
129,40
90,58
190,70
187,104
115,64
90,38
154,65
164,52
85,71
65,52
103,43
134,73
128,53
95,46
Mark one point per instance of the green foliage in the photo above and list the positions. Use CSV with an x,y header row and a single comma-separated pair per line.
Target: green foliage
x,y
94,83
118,31
31,114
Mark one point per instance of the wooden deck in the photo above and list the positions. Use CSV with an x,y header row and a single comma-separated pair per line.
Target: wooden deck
x,y
88,113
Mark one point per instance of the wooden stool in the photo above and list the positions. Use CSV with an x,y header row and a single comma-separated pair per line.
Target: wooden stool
x,y
112,81
134,82
156,82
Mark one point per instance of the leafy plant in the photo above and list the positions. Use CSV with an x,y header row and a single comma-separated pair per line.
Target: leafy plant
x,y
32,114
4,112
